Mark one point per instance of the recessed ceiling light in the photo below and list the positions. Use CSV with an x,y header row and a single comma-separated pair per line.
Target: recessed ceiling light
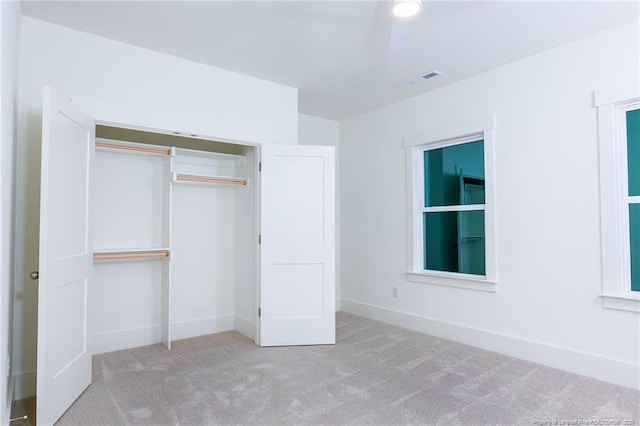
x,y
406,8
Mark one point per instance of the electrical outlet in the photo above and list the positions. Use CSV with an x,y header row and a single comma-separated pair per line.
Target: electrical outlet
x,y
395,291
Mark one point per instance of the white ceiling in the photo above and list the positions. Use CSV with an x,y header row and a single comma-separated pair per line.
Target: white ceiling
x,y
346,57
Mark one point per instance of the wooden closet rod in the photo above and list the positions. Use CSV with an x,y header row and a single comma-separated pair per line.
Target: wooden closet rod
x,y
124,256
188,178
164,151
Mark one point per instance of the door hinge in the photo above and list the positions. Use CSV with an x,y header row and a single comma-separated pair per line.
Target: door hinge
x,y
259,313
260,166
259,239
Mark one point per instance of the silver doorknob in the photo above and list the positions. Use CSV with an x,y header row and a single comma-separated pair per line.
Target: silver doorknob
x,y
34,275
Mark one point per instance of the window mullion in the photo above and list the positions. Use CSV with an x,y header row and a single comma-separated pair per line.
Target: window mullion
x,y
454,208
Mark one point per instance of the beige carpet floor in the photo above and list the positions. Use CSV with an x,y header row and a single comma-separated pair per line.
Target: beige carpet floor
x,y
376,374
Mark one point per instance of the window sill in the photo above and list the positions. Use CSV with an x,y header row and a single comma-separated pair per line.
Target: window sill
x,y
448,279
621,302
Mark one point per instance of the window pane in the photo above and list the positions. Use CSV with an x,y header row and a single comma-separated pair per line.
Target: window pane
x,y
454,175
454,242
633,151
634,231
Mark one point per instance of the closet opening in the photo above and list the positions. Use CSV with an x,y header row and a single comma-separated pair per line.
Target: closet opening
x,y
174,238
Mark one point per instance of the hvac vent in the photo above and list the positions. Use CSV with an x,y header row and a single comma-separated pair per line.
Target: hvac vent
x,y
423,77
430,74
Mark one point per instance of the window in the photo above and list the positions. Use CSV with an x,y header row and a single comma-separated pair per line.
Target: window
x,y
619,139
453,211
452,225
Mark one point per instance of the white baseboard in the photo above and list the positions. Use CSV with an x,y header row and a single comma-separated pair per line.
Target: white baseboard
x,y
124,339
132,338
201,327
586,364
24,385
245,327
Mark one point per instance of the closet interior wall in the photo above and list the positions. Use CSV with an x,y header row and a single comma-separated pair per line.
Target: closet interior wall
x,y
174,239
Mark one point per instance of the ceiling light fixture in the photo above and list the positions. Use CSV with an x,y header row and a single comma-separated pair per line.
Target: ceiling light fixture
x,y
406,8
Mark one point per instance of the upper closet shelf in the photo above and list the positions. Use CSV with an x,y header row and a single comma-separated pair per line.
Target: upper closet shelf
x,y
189,165
190,162
133,147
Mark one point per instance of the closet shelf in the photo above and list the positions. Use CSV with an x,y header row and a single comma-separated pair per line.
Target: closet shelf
x,y
108,144
209,164
157,253
207,157
193,178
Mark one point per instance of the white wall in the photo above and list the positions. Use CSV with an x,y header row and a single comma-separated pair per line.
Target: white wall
x,y
547,307
120,83
317,131
320,131
10,33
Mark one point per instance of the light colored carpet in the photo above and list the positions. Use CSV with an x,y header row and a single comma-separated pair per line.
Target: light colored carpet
x,y
375,374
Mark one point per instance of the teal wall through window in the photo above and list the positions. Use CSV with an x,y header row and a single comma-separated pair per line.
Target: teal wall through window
x,y
443,170
634,230
455,242
633,151
441,241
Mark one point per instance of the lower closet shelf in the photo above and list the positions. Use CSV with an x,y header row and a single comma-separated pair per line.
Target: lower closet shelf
x,y
157,253
224,180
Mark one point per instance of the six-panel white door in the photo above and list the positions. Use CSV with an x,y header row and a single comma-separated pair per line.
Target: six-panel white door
x,y
297,251
64,359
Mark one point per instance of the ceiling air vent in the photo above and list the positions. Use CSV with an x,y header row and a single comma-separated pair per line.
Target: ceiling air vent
x,y
423,77
430,74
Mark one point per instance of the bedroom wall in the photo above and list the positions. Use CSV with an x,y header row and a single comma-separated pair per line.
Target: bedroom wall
x,y
547,307
10,30
318,131
116,82
321,131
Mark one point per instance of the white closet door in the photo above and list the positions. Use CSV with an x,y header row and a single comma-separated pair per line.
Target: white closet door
x,y
64,360
297,251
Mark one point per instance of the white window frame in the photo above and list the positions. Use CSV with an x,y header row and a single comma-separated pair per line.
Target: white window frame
x,y
613,103
464,132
